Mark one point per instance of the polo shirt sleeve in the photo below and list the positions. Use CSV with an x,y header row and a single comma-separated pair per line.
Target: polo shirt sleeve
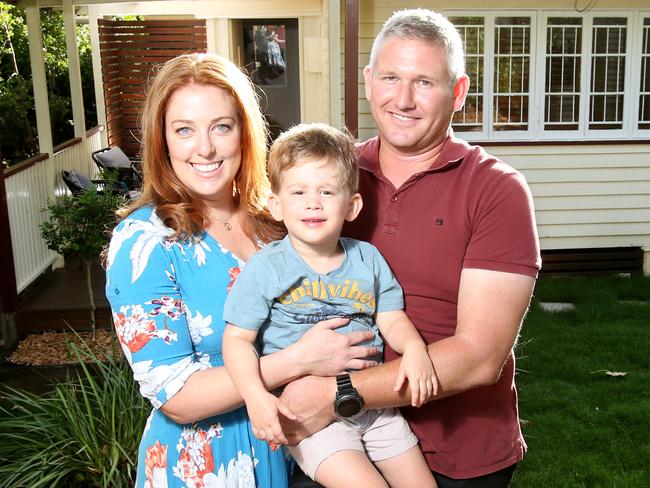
x,y
247,305
504,234
389,294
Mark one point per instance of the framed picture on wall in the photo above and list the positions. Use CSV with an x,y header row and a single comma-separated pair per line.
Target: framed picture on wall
x,y
265,54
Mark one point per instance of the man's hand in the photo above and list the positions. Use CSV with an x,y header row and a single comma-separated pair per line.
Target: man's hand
x,y
311,400
324,352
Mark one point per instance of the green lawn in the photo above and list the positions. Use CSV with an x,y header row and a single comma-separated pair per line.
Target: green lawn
x,y
585,428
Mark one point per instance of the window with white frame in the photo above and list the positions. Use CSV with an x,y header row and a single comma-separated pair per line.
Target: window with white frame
x,y
563,72
544,75
644,88
607,87
472,29
511,74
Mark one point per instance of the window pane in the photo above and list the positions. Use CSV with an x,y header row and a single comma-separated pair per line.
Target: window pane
x,y
511,73
607,73
472,31
644,101
562,87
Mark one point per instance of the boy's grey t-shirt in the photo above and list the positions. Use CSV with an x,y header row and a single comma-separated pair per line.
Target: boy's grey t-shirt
x,y
280,295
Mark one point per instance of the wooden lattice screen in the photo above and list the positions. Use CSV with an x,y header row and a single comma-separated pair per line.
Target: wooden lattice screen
x,y
129,51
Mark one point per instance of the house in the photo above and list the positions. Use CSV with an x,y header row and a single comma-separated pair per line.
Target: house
x,y
560,90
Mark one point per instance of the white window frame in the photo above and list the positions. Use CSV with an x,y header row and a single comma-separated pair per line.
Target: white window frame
x,y
586,83
540,102
636,74
488,131
538,31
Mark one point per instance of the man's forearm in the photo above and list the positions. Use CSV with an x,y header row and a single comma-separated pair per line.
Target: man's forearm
x,y
454,375
491,307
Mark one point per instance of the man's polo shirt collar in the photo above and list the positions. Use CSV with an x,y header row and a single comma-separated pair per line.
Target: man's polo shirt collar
x,y
453,151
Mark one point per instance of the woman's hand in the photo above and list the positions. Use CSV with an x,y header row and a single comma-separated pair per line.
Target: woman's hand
x,y
324,352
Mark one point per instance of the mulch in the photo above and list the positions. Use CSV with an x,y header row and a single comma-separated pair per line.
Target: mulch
x,y
53,348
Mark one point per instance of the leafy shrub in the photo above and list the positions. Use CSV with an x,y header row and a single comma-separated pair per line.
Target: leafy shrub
x,y
80,226
84,433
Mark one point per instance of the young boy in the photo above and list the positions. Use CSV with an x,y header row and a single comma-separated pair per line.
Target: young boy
x,y
311,275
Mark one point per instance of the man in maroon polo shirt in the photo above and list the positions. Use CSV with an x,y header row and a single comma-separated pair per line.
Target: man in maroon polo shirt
x,y
457,227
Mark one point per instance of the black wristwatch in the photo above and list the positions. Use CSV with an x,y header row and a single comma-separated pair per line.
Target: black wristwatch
x,y
348,402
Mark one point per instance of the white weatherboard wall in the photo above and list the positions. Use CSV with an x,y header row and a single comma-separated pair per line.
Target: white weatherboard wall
x,y
586,195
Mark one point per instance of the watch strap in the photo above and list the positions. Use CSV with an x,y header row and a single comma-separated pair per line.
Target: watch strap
x,y
344,383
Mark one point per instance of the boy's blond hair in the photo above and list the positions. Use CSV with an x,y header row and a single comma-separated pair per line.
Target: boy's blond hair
x,y
306,142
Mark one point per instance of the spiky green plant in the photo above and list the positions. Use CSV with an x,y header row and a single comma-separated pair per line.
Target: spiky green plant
x,y
83,433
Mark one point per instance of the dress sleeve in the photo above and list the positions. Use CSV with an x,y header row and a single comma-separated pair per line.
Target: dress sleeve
x,y
149,314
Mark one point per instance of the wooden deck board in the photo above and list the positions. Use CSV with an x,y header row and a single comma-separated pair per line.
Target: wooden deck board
x,y
60,299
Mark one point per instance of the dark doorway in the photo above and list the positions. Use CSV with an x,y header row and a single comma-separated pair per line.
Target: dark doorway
x,y
271,57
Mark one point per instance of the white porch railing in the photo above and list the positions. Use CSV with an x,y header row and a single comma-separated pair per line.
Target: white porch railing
x,y
27,193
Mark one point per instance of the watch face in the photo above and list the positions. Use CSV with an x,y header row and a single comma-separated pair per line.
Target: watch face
x,y
348,406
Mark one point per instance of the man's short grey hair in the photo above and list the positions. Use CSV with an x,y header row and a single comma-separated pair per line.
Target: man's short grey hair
x,y
424,25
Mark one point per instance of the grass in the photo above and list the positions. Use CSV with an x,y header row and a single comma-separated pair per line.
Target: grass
x,y
585,428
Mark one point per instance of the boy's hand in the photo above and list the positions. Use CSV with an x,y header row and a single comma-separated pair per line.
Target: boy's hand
x,y
416,366
263,409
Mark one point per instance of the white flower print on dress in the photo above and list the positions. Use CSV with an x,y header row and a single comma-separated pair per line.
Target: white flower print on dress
x,y
199,326
238,474
169,378
154,232
199,252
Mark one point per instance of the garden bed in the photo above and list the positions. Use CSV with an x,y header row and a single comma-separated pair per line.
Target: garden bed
x,y
52,348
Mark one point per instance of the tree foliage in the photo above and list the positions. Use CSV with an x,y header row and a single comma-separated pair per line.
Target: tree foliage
x,y
18,137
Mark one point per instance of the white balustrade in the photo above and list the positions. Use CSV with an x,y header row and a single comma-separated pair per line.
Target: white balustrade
x,y
27,194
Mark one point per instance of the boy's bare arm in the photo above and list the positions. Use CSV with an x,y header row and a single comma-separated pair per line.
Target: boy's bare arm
x,y
242,360
415,369
398,331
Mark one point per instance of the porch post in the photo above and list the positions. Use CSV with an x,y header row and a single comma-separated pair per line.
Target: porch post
x,y
335,62
218,37
39,83
74,70
8,289
352,66
97,72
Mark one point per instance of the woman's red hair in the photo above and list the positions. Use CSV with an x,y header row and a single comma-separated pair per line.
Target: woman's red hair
x,y
176,205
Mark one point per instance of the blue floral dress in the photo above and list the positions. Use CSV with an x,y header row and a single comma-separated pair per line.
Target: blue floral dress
x,y
167,300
